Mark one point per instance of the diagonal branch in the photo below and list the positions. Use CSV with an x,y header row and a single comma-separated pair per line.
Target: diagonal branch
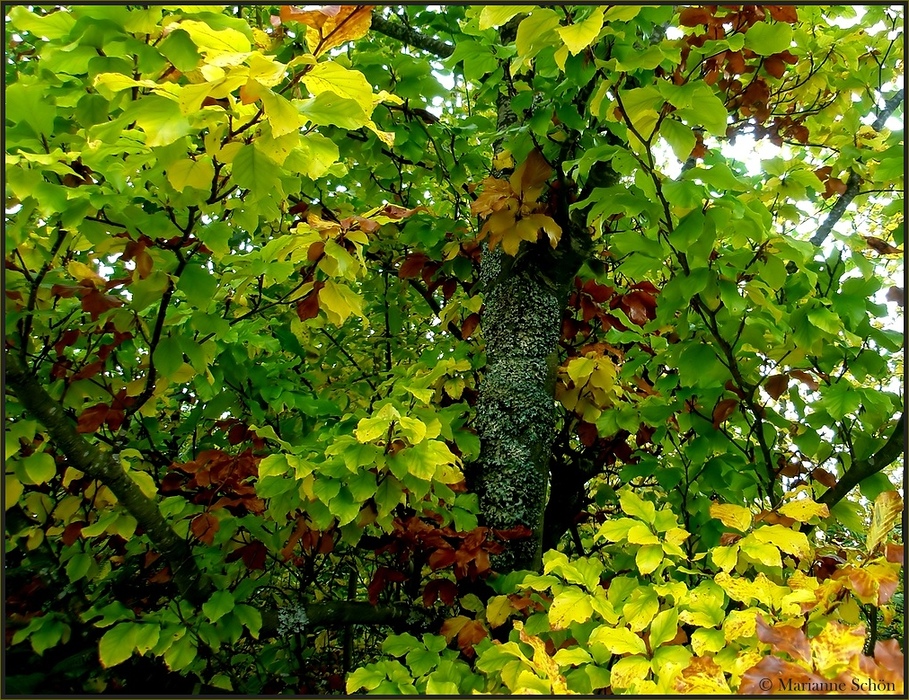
x,y
411,37
852,183
102,466
862,469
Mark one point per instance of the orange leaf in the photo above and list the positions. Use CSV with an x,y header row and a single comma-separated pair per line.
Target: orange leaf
x,y
331,25
784,638
91,418
452,626
780,674
530,176
493,197
822,476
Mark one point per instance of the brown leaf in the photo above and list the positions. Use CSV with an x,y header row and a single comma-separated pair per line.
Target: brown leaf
x,y
822,476
783,13
204,526
881,246
92,418
897,294
253,555
894,553
784,638
775,66
776,385
779,673
441,589
308,307
412,265
833,186
469,325
805,378
693,16
71,533
723,410
315,251
471,633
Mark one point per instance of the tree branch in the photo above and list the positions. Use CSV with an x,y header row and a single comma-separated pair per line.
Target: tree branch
x,y
411,37
102,466
862,469
852,183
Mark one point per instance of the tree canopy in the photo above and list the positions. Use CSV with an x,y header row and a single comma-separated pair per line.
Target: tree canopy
x,y
454,349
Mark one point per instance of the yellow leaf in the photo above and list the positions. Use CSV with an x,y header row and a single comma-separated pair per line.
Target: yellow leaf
x,y
571,605
580,35
803,510
580,368
619,641
496,16
349,84
81,271
498,610
331,25
191,173
725,557
215,41
648,558
835,646
740,623
339,302
789,541
265,69
702,677
888,508
628,671
283,116
766,554
736,517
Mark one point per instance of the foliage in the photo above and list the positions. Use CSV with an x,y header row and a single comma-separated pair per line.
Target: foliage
x,y
312,313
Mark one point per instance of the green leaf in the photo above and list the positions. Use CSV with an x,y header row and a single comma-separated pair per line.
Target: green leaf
x,y
160,119
680,138
250,617
181,653
616,530
118,643
198,285
398,645
535,32
220,603
339,301
168,356
766,38
179,49
254,171
39,467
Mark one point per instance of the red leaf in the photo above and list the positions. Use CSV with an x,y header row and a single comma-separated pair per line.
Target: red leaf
x,y
204,526
723,410
90,370
96,303
775,66
469,325
894,553
69,337
91,418
442,558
